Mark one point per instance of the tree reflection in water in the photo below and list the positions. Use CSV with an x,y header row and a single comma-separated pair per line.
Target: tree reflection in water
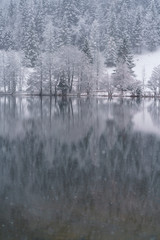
x,y
77,169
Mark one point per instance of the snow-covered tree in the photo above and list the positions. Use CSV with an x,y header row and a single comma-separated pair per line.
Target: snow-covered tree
x,y
39,20
99,30
68,21
8,43
111,53
50,37
41,80
125,56
122,78
12,73
86,49
31,48
151,27
2,27
137,38
86,75
106,84
154,82
124,21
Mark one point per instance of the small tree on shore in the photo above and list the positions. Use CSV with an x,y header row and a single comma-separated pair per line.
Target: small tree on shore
x,y
123,76
154,82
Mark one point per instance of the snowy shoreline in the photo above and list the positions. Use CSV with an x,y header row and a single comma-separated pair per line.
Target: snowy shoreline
x,y
104,95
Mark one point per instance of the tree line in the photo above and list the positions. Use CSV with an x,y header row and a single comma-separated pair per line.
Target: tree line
x,y
51,45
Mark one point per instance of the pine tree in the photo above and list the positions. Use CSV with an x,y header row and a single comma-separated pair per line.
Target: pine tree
x,y
31,48
23,23
46,6
12,14
65,33
8,42
22,4
154,82
2,27
111,53
94,39
125,56
39,22
123,77
69,19
70,12
86,49
124,21
11,8
49,37
151,27
112,23
137,37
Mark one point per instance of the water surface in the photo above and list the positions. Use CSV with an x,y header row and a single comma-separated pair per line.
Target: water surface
x,y
79,169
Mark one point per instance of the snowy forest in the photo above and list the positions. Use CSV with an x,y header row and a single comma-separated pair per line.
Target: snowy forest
x,y
67,46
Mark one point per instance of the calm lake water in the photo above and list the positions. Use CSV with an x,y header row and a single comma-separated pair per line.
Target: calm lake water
x,y
79,169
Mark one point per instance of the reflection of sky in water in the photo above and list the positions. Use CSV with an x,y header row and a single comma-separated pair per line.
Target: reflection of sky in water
x,y
143,120
79,167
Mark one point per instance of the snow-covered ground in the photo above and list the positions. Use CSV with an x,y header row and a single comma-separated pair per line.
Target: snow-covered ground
x,y
145,64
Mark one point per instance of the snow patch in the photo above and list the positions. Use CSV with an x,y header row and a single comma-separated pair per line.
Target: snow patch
x,y
145,64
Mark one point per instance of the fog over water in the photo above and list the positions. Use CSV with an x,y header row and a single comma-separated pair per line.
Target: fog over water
x,y
79,169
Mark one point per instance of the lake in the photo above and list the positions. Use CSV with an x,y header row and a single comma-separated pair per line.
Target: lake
x,y
79,169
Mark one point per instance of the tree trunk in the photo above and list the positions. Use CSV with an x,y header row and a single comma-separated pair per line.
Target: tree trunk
x,y
50,82
70,89
41,85
64,92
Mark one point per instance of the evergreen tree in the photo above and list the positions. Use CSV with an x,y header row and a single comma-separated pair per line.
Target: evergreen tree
x,y
154,82
123,80
82,32
31,48
112,23
22,5
12,14
125,56
137,37
8,42
2,27
111,53
11,9
69,20
65,33
39,22
86,49
23,24
50,36
46,6
70,12
123,77
94,40
151,27
124,21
